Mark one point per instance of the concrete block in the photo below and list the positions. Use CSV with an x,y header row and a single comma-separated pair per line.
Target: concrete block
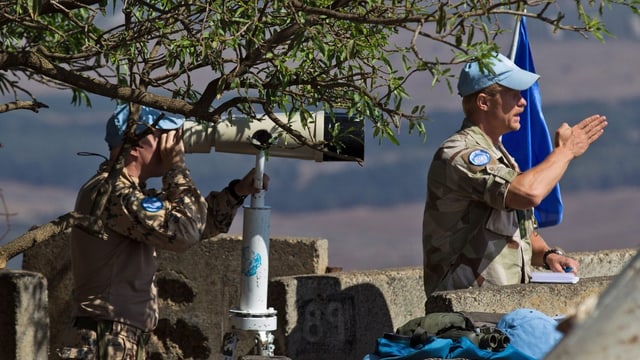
x,y
24,324
52,258
551,299
603,263
340,315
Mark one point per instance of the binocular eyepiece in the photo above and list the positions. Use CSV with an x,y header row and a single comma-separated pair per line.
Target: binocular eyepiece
x,y
243,135
493,341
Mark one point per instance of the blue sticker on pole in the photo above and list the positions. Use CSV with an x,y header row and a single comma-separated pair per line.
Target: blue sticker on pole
x,y
251,262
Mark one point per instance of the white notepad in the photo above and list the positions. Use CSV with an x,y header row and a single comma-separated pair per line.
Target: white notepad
x,y
554,277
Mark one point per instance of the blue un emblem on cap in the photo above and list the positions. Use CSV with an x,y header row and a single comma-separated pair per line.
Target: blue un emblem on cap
x,y
479,157
152,204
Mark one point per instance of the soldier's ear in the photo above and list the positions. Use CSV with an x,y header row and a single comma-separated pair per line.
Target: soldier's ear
x,y
134,152
482,101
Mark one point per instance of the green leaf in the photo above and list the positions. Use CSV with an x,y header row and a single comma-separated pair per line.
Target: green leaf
x,y
34,7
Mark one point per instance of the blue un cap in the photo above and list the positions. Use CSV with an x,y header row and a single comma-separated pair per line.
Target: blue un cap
x,y
530,331
506,73
117,123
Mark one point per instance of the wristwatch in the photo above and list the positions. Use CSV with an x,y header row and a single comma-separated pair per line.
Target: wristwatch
x,y
549,252
232,191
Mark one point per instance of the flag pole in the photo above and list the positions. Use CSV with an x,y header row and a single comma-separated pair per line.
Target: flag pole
x,y
514,41
516,36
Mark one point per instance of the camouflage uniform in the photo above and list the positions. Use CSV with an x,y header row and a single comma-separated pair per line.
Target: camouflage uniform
x,y
469,237
114,271
105,340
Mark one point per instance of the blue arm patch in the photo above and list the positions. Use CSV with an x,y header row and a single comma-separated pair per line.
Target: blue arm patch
x,y
479,157
152,204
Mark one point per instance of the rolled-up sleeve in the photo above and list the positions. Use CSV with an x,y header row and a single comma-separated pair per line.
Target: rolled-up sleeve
x,y
222,209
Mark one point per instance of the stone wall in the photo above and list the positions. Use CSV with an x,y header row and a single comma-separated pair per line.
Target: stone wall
x,y
320,315
196,289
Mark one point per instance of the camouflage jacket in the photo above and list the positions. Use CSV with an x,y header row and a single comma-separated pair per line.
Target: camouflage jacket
x,y
469,237
114,271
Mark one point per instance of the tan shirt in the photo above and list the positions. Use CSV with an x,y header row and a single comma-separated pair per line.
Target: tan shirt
x,y
114,271
469,236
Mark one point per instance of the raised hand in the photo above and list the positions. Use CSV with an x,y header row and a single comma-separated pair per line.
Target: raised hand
x,y
578,138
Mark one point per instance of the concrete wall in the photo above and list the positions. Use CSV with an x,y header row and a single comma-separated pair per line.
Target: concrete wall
x,y
340,316
320,316
196,289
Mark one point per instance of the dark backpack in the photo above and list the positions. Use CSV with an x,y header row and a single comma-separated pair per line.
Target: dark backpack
x,y
477,327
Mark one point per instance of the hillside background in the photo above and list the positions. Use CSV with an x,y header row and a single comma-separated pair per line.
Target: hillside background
x,y
372,214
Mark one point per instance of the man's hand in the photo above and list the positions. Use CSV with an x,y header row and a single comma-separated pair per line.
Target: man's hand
x,y
559,263
246,184
577,139
171,149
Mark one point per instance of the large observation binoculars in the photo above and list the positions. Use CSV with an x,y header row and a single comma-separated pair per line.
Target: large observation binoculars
x,y
234,135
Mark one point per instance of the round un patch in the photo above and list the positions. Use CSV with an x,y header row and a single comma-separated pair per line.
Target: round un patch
x,y
479,157
151,204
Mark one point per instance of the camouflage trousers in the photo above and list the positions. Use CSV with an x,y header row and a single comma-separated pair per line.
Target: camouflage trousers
x,y
104,340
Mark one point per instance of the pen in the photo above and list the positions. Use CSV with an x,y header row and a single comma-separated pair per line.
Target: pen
x,y
567,269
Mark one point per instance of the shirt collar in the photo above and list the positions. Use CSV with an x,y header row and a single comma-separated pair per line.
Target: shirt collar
x,y
480,138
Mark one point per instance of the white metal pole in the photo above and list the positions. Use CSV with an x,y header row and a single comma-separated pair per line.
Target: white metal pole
x,y
253,314
255,248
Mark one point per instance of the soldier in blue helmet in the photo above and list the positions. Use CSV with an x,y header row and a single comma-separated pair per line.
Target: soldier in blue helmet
x,y
478,226
114,300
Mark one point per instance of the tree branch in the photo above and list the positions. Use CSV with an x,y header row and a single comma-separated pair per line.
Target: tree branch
x,y
39,234
34,106
42,66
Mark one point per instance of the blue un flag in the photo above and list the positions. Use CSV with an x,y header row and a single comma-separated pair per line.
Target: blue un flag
x,y
531,144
